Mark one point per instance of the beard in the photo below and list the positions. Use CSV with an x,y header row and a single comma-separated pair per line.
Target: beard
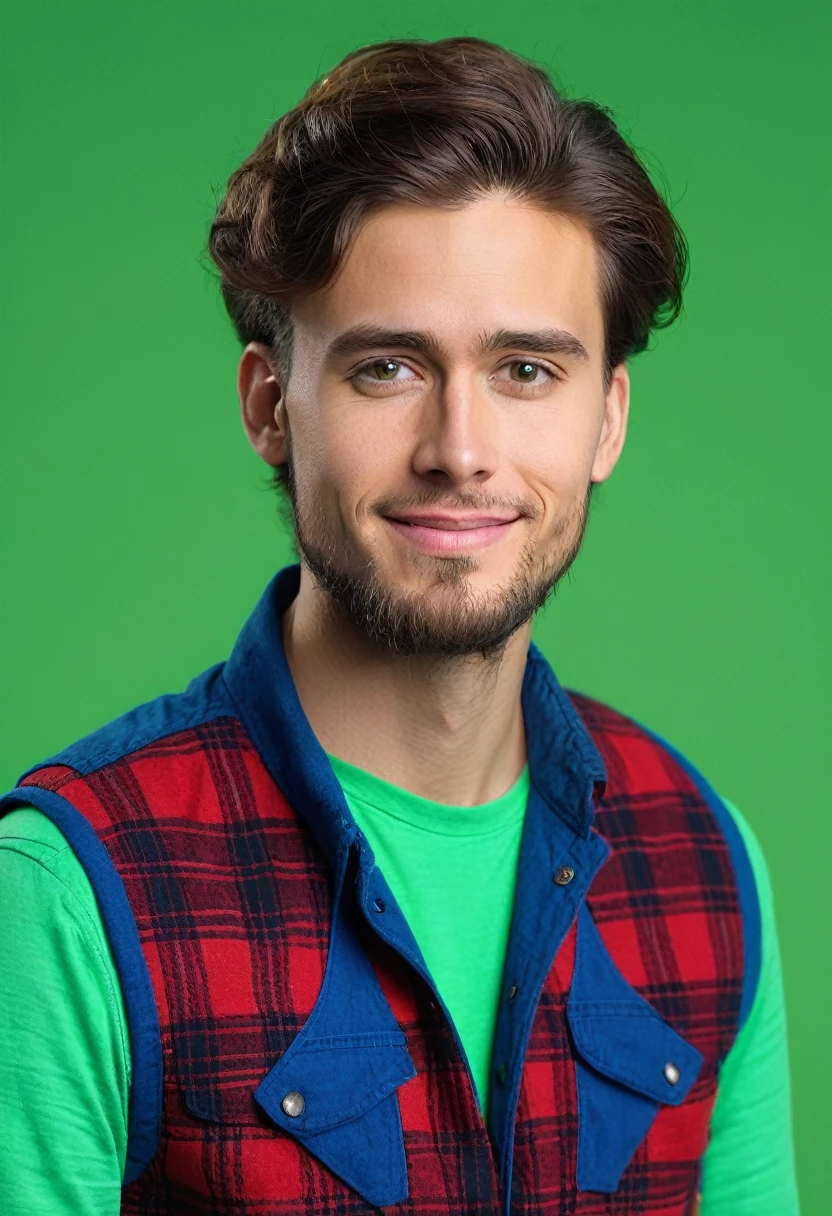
x,y
448,618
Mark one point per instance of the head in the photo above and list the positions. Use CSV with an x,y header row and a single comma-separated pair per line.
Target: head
x,y
438,268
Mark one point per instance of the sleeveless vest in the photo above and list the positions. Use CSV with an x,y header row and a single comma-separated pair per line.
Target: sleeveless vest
x,y
290,1053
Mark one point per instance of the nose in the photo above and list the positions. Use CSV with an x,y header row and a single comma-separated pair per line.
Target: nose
x,y
458,434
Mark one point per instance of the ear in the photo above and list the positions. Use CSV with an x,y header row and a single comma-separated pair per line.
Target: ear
x,y
614,427
262,403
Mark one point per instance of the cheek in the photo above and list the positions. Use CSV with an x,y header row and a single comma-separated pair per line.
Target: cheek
x,y
336,456
557,467
556,439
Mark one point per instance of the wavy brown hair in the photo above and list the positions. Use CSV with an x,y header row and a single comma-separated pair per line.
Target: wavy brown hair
x,y
439,124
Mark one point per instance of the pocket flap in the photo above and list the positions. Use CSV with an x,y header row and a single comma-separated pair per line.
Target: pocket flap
x,y
634,1046
337,1096
629,1062
335,1087
334,1080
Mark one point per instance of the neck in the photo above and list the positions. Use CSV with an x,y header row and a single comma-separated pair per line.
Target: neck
x,y
450,730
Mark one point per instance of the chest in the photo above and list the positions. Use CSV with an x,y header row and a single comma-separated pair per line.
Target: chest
x,y
260,974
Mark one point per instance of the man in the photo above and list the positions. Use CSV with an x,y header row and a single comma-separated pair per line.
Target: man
x,y
376,915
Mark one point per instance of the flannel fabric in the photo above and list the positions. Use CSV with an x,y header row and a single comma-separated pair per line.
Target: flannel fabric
x,y
262,957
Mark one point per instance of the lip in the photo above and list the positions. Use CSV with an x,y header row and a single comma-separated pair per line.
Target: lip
x,y
452,519
450,534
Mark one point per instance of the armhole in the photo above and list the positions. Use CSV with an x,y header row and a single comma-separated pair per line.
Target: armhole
x,y
145,1100
749,899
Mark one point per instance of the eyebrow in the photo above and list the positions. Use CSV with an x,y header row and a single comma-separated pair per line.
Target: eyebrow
x,y
547,341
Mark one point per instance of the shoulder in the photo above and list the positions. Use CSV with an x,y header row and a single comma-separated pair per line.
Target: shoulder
x,y
34,849
639,760
83,788
636,757
753,848
204,700
49,907
26,831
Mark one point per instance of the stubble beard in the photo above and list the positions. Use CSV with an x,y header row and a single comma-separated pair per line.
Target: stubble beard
x,y
447,619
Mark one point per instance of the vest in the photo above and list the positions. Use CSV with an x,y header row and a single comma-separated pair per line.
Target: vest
x,y
290,1052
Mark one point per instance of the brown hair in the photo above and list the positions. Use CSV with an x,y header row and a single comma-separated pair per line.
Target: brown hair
x,y
438,124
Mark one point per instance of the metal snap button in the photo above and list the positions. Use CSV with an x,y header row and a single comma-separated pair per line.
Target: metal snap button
x,y
563,875
379,904
293,1104
671,1073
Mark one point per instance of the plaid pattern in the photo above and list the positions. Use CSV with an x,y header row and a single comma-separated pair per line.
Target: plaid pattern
x,y
232,901
666,906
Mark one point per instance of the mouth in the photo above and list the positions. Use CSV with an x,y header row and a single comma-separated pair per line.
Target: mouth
x,y
451,534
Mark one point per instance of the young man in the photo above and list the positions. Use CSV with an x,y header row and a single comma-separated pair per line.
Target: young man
x,y
376,915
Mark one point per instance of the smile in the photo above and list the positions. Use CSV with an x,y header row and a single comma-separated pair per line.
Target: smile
x,y
446,536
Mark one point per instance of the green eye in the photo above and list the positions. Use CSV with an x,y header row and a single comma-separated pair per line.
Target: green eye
x,y
384,369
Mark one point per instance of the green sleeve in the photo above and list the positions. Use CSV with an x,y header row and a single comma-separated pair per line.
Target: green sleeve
x,y
748,1168
64,1048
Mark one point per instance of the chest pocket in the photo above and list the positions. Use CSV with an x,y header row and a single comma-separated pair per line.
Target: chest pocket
x,y
629,1062
218,1067
329,1084
334,1095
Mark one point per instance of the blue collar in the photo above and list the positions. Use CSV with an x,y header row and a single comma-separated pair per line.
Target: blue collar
x,y
565,766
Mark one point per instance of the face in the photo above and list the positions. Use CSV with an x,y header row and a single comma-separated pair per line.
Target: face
x,y
445,420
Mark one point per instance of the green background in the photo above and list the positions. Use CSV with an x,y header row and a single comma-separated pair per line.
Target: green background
x,y
137,527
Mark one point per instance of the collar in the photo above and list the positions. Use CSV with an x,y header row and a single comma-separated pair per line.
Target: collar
x,y
565,766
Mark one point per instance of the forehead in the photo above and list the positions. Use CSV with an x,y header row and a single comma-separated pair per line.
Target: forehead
x,y
495,263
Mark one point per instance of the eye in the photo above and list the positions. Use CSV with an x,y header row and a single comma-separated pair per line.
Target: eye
x,y
527,372
382,371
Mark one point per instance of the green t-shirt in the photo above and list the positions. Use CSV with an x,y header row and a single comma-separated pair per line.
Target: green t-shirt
x,y
452,870
64,1044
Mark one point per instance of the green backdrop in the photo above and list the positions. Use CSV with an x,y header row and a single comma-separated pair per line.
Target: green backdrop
x,y
137,529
